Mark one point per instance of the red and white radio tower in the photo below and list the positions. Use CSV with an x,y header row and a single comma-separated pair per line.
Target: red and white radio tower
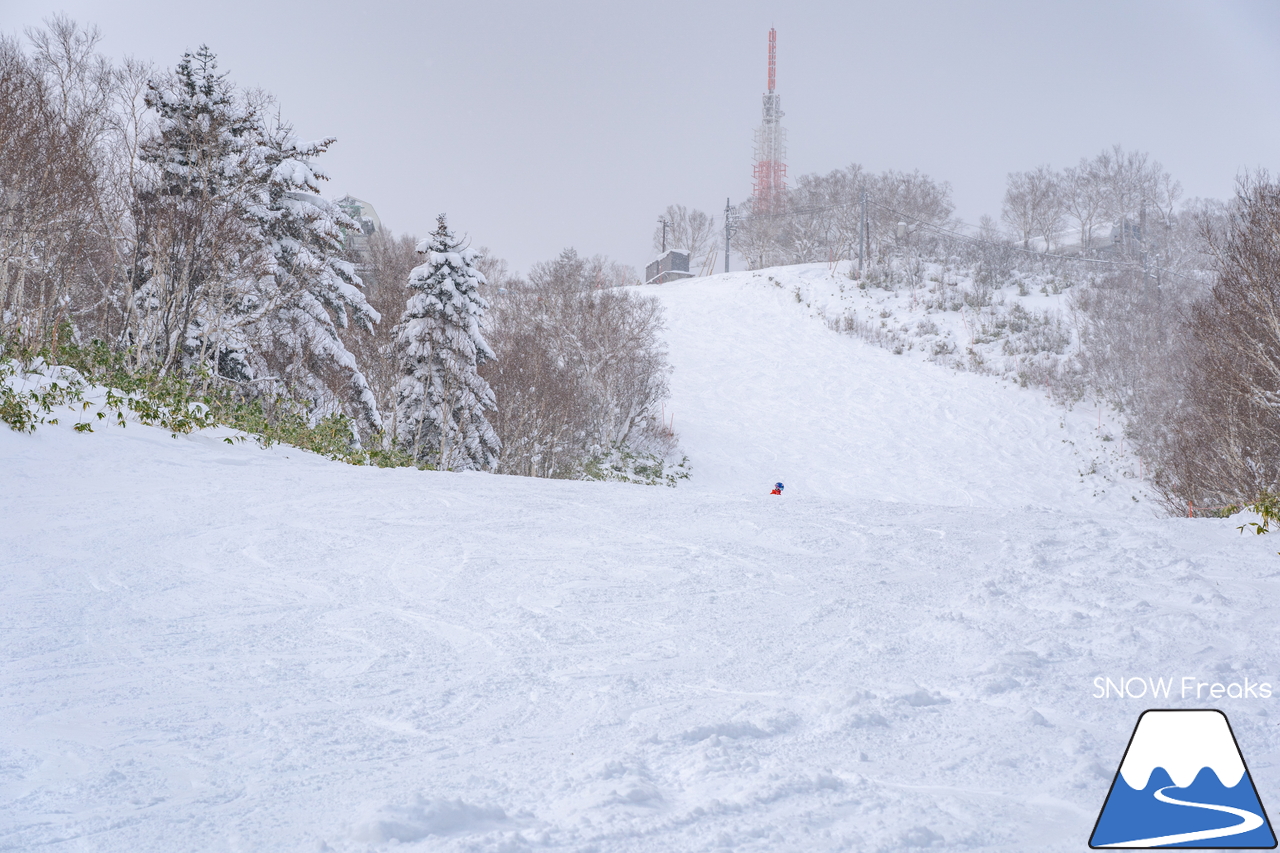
x,y
769,193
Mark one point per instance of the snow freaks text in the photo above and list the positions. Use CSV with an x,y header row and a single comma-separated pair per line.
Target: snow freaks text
x,y
1186,687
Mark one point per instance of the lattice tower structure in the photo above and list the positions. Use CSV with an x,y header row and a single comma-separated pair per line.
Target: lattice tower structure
x,y
769,192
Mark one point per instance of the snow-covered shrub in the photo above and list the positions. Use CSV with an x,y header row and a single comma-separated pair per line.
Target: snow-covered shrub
x,y
872,330
946,299
23,408
621,464
878,275
38,393
91,386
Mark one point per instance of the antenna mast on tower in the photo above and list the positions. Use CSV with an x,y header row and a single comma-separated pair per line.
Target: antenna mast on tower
x,y
769,192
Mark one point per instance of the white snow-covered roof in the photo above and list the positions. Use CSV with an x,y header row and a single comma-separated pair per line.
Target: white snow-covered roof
x,y
665,254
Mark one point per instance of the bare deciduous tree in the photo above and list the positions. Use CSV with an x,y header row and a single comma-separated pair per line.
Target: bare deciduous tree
x,y
386,270
1033,205
580,369
1134,182
912,197
48,189
1223,445
823,218
689,231
1084,198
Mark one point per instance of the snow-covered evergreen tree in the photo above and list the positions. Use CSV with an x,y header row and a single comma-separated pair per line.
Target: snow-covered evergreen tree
x,y
303,290
442,399
189,214
240,266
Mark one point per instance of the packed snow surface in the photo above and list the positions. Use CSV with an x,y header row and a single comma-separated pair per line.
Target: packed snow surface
x,y
220,647
763,392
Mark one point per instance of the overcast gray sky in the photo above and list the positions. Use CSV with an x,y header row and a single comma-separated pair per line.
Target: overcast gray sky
x,y
540,126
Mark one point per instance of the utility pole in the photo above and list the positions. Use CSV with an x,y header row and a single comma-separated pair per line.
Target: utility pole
x,y
663,220
730,228
862,234
1142,238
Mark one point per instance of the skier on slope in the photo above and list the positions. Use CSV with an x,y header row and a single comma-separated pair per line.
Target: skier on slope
x,y
777,489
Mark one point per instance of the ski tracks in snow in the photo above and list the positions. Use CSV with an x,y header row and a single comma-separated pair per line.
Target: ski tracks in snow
x,y
468,662
216,647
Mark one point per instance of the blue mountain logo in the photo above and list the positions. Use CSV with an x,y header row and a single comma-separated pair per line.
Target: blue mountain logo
x,y
1183,783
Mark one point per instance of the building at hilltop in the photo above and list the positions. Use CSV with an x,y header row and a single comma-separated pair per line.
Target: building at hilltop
x,y
672,265
357,242
363,213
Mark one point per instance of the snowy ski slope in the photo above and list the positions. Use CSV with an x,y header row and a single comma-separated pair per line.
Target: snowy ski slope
x,y
215,647
762,391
